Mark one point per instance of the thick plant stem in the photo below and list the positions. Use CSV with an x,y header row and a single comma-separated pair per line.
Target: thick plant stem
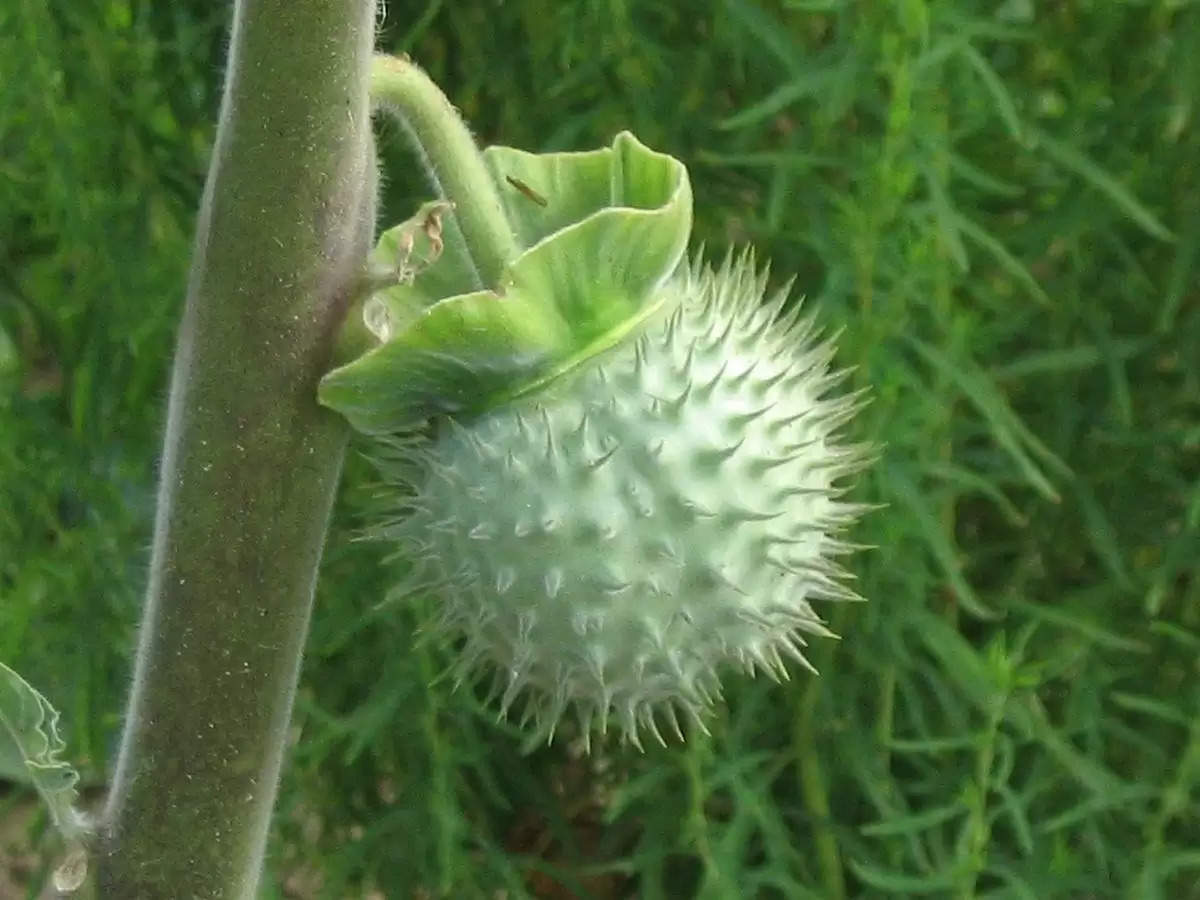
x,y
455,164
250,461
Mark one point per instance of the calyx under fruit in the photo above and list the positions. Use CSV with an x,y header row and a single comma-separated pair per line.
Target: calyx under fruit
x,y
614,471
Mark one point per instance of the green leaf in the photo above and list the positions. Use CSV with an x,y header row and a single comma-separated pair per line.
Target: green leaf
x,y
995,86
1151,706
1009,432
941,545
29,751
1121,197
1103,783
967,667
935,745
901,883
604,231
916,822
1064,616
9,359
1001,255
804,84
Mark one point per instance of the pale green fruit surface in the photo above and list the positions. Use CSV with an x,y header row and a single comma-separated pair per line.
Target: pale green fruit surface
x,y
604,546
615,476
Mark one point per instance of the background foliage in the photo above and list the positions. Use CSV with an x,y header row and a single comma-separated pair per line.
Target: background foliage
x,y
999,203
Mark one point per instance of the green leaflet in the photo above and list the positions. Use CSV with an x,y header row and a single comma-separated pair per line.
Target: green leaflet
x,y
601,232
29,750
9,360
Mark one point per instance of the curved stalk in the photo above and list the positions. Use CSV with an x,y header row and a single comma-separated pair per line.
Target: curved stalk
x,y
250,461
455,164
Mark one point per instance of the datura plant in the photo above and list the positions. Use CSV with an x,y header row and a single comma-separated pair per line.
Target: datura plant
x,y
614,470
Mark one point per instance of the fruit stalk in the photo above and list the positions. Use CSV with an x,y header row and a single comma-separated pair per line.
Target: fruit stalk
x,y
454,163
250,461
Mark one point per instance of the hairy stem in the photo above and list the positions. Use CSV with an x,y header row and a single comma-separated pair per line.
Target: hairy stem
x,y
455,163
250,461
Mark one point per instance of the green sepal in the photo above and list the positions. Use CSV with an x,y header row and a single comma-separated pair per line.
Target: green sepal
x,y
602,232
29,751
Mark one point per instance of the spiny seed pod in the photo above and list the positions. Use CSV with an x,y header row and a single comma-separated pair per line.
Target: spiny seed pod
x,y
669,507
615,473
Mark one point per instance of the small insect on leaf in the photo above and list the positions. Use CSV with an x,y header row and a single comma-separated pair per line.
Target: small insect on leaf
x,y
526,190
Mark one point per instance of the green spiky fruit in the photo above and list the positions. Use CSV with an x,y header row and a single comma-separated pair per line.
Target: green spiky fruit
x,y
611,540
615,474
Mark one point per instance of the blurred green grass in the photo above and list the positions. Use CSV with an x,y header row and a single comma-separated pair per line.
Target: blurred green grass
x,y
998,204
